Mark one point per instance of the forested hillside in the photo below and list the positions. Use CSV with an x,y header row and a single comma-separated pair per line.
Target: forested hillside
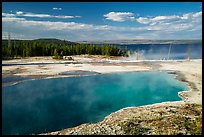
x,y
54,47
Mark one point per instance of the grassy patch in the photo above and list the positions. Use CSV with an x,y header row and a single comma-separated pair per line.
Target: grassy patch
x,y
195,126
184,120
133,127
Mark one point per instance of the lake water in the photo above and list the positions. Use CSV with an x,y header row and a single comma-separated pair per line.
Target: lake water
x,y
44,105
160,51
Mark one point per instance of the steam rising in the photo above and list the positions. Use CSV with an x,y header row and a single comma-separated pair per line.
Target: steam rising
x,y
160,52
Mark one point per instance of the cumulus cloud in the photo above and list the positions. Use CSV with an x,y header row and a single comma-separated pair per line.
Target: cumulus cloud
x,y
170,19
173,23
57,8
119,16
143,20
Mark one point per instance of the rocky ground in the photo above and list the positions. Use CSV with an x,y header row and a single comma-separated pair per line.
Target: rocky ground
x,y
161,119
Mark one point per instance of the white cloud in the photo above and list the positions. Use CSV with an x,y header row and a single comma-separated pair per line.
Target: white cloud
x,y
170,19
188,26
173,23
36,15
57,8
50,25
49,16
119,16
8,14
27,14
19,12
12,19
198,14
66,17
163,18
143,20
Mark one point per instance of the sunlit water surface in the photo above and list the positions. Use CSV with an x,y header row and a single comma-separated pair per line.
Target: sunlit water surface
x,y
39,106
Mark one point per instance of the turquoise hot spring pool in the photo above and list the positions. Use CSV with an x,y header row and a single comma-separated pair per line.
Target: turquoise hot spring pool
x,y
38,106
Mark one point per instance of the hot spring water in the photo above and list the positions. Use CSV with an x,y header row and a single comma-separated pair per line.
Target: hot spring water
x,y
39,106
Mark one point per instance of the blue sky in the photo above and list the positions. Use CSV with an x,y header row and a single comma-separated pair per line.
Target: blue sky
x,y
78,21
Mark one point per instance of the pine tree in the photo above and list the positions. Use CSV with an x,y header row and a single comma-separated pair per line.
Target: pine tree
x,y
55,54
61,55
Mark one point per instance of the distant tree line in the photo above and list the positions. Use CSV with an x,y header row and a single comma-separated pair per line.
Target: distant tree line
x,y
30,48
